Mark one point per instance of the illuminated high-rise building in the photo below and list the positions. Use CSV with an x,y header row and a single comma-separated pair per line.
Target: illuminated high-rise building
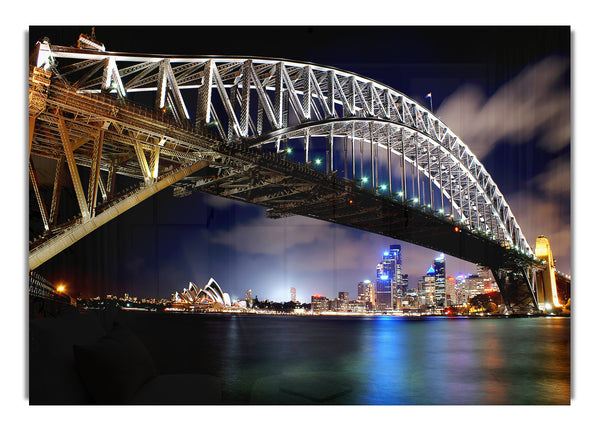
x,y
404,284
366,292
489,284
451,291
383,292
361,290
396,253
460,289
389,279
439,266
293,294
474,285
427,292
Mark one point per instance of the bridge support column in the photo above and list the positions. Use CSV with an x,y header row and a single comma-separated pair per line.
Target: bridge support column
x,y
528,278
500,281
546,278
516,289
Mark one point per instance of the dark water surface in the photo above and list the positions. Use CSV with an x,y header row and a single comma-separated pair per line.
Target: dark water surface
x,y
269,359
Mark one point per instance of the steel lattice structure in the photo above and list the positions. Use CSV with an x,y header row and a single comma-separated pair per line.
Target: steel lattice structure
x,y
250,129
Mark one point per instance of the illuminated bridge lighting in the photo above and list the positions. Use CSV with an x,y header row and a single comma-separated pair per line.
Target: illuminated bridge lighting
x,y
456,181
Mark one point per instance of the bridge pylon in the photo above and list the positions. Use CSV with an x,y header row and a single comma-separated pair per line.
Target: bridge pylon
x,y
546,280
538,288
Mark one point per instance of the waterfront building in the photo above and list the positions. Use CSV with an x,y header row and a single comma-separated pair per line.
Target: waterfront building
x,y
459,288
341,302
344,296
383,292
357,306
366,292
361,290
210,296
318,304
489,284
389,277
411,300
396,253
426,288
404,284
473,285
439,266
451,291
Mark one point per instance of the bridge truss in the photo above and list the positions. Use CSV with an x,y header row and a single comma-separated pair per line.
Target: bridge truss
x,y
272,132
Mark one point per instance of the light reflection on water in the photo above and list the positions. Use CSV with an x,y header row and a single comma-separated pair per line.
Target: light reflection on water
x,y
377,360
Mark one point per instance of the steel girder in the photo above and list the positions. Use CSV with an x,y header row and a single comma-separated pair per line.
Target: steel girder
x,y
270,103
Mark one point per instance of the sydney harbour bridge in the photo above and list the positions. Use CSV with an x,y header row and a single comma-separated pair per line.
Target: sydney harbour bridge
x,y
296,138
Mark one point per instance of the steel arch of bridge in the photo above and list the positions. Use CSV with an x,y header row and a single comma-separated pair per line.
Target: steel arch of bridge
x,y
271,103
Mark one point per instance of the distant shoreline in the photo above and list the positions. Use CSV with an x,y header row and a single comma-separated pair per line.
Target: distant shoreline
x,y
351,314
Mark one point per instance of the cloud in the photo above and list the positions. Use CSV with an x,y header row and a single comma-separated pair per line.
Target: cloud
x,y
535,102
556,180
308,244
301,249
271,237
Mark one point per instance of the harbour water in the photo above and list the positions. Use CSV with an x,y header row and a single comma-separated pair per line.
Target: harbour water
x,y
366,360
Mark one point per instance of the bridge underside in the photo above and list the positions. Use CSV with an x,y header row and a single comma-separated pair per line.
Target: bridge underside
x,y
323,197
326,198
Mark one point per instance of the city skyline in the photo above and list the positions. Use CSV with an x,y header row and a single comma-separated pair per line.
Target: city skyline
x,y
173,241
353,291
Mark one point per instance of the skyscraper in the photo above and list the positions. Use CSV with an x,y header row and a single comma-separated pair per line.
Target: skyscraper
x,y
451,291
427,288
488,280
366,292
404,284
293,294
439,265
344,298
383,292
389,279
396,252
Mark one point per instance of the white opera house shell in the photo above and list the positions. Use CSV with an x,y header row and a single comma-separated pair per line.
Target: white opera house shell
x,y
210,295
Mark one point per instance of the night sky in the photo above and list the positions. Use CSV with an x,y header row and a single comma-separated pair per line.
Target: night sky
x,y
504,90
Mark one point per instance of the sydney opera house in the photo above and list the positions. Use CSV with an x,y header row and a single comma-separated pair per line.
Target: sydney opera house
x,y
210,296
